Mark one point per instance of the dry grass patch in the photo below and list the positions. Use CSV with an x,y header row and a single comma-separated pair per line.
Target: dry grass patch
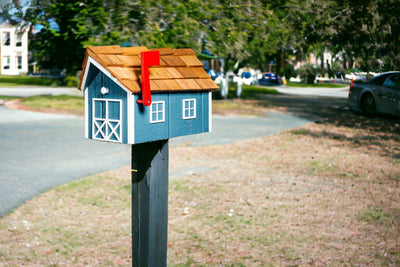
x,y
244,107
84,223
289,199
325,194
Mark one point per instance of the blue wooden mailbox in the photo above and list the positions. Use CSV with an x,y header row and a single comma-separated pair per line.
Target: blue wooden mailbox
x,y
120,107
143,97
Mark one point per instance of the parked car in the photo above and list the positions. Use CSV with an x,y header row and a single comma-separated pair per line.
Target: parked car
x,y
381,94
269,78
248,77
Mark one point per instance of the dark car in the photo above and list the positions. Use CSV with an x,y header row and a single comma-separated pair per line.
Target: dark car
x,y
269,78
381,94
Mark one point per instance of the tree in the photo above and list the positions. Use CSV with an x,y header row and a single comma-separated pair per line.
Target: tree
x,y
14,11
68,25
389,33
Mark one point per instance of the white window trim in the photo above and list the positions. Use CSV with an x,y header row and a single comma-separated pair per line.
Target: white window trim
x,y
184,109
6,62
106,122
162,111
3,38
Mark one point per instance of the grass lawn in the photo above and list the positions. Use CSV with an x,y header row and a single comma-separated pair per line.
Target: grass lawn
x,y
326,194
23,80
317,85
14,80
7,98
59,103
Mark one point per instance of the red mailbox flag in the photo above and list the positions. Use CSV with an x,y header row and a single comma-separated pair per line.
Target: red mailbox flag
x,y
149,58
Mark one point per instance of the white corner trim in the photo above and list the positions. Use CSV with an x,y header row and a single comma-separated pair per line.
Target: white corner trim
x,y
209,111
85,73
130,103
86,99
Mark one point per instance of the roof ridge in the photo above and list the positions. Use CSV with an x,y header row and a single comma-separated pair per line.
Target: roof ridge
x,y
106,49
134,51
183,52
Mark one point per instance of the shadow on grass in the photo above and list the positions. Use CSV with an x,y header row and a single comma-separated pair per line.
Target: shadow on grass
x,y
380,131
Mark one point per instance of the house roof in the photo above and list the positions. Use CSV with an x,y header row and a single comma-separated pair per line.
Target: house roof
x,y
179,69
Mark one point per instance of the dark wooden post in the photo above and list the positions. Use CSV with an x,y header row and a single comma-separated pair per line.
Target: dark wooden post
x,y
149,203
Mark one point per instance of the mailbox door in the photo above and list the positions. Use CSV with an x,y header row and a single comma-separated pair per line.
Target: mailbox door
x,y
107,119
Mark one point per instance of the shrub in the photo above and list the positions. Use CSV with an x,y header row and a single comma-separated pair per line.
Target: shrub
x,y
308,73
71,81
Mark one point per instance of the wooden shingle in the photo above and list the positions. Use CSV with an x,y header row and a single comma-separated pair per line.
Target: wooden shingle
x,y
112,60
191,61
188,84
129,51
179,69
173,73
174,61
207,83
184,51
155,86
168,85
130,61
132,85
125,73
201,73
158,73
106,50
163,51
188,72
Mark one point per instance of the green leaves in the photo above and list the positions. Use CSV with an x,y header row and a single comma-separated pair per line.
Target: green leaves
x,y
253,31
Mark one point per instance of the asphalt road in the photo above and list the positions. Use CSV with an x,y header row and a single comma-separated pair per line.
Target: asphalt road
x,y
40,151
315,91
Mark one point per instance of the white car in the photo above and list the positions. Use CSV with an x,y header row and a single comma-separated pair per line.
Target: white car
x,y
381,94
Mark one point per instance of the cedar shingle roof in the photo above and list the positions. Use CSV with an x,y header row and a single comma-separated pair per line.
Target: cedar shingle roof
x,y
179,69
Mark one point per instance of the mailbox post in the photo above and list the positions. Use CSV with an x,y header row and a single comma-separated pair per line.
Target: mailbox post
x,y
144,97
150,203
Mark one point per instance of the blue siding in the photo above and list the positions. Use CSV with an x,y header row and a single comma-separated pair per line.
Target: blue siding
x,y
180,126
174,124
98,81
146,131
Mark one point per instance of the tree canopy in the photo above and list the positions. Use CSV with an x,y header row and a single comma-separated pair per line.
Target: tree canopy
x,y
253,32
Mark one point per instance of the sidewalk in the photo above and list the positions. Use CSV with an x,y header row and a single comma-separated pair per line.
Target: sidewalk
x,y
314,91
26,91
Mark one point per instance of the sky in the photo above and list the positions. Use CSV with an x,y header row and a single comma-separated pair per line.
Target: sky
x,y
8,7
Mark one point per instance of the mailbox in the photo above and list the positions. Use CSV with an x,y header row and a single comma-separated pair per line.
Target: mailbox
x,y
135,94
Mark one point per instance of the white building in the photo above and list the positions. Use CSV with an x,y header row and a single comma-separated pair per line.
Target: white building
x,y
13,50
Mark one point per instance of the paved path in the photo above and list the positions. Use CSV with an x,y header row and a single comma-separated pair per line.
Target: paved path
x,y
39,151
25,91
314,91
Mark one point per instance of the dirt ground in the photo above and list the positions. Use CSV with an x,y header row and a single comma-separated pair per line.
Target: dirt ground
x,y
326,194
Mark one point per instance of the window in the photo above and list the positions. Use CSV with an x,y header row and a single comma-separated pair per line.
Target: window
x,y
189,109
18,39
157,112
379,80
6,62
19,62
393,81
107,119
5,39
